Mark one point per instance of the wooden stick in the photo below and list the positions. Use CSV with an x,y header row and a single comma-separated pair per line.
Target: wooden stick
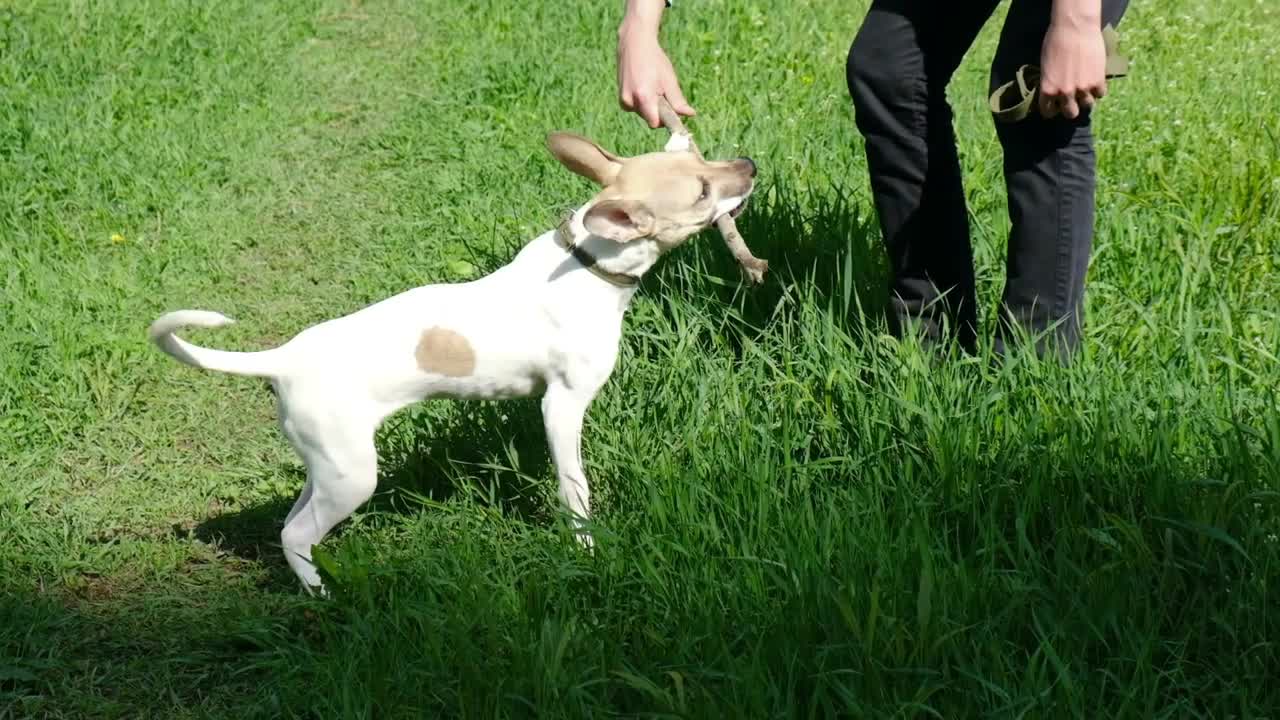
x,y
752,265
672,122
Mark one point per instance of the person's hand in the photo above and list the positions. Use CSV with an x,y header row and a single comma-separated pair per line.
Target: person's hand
x,y
646,74
1073,65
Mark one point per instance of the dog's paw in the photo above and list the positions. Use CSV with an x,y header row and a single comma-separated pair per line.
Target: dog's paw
x,y
756,270
584,539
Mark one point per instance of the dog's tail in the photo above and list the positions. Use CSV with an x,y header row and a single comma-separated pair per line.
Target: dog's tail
x,y
266,363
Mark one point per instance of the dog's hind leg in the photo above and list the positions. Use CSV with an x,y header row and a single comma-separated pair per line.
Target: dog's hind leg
x,y
342,472
562,414
301,502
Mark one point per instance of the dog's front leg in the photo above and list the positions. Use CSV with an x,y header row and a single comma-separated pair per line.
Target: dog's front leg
x,y
563,409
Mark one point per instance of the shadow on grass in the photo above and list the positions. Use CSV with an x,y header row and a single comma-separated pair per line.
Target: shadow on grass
x,y
1152,567
820,245
1109,567
173,650
493,454
252,533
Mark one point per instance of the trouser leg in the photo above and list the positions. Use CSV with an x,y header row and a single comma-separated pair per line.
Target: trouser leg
x,y
1049,170
898,68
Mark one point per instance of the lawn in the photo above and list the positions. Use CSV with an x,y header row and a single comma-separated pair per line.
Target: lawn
x,y
797,515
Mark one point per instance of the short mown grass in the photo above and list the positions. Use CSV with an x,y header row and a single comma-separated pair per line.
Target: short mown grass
x,y
797,516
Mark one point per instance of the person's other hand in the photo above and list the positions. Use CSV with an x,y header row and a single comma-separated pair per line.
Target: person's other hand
x,y
646,74
1073,64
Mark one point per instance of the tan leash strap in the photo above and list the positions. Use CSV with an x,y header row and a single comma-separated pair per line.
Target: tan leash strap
x,y
1014,100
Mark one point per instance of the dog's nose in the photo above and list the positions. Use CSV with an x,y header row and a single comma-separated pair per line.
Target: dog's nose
x,y
750,164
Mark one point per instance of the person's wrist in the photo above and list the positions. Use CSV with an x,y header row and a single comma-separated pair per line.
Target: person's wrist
x,y
632,31
1079,15
641,20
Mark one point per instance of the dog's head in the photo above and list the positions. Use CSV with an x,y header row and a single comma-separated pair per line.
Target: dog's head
x,y
665,196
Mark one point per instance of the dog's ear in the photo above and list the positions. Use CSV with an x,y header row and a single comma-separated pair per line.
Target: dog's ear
x,y
584,157
618,220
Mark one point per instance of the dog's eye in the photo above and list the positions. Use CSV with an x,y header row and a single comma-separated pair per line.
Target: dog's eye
x,y
706,190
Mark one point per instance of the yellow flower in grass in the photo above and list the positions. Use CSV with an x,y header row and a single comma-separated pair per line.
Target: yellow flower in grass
x,y
116,238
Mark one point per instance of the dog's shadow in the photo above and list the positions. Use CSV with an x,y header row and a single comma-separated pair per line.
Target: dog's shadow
x,y
493,454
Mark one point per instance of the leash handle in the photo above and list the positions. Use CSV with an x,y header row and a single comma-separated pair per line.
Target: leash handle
x,y
1014,100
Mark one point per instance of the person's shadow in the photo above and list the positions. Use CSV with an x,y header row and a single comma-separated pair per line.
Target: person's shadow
x,y
819,249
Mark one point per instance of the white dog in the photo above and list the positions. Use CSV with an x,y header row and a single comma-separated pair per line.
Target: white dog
x,y
549,322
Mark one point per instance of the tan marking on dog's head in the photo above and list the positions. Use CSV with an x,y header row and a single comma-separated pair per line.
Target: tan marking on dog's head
x,y
667,196
445,352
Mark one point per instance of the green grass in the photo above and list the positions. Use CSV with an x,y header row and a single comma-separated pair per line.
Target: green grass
x,y
797,516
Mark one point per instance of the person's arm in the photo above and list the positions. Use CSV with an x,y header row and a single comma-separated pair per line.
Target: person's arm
x,y
1073,59
644,71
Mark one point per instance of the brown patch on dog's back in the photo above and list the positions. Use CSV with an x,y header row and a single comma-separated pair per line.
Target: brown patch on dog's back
x,y
445,352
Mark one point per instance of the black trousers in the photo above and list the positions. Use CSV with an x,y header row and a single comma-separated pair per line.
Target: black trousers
x,y
898,69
